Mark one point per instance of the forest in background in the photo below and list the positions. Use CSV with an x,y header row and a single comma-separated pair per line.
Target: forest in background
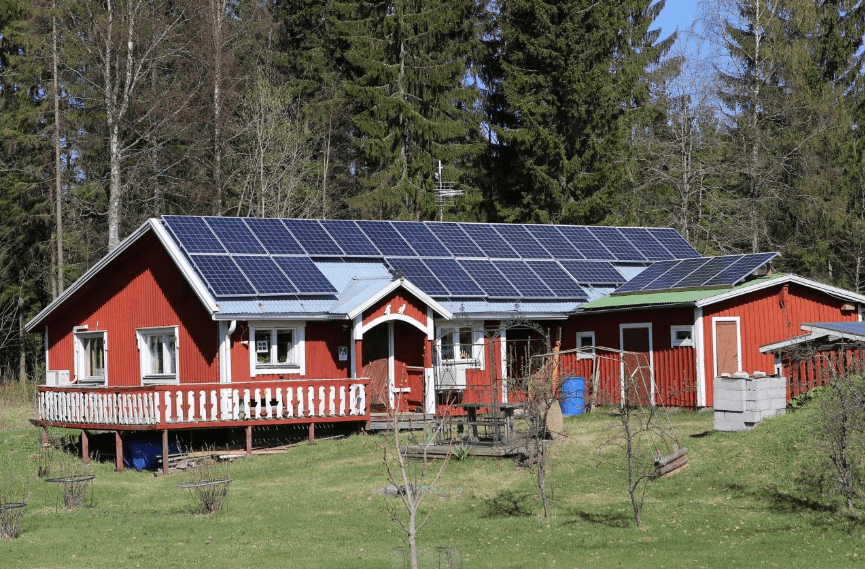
x,y
743,135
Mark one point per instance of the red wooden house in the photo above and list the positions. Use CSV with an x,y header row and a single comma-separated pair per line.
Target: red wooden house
x,y
223,322
199,322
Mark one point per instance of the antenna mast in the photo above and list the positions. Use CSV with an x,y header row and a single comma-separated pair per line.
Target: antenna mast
x,y
445,192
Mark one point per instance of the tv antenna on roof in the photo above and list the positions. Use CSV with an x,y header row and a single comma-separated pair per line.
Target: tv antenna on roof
x,y
445,192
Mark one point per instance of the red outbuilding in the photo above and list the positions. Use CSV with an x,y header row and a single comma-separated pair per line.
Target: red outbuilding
x,y
686,338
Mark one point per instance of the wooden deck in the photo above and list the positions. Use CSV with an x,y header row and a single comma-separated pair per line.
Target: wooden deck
x,y
405,421
164,408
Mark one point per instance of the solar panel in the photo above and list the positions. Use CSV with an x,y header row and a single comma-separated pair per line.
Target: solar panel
x,y
455,239
312,237
488,241
234,235
676,273
304,275
741,268
646,243
522,241
678,247
274,236
349,237
524,279
222,275
619,246
554,242
593,272
264,275
386,239
420,238
455,279
193,234
651,273
711,268
557,279
418,274
584,242
493,283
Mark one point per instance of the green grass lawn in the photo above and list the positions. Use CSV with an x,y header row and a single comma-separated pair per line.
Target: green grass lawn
x,y
740,502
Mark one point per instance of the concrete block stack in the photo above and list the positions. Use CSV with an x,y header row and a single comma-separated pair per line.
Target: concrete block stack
x,y
742,401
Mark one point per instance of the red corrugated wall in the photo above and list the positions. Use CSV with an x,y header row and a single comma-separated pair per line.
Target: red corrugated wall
x,y
764,320
674,368
142,287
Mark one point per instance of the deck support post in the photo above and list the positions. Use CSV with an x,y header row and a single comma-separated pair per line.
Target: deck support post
x,y
249,439
312,433
46,441
118,449
85,446
165,451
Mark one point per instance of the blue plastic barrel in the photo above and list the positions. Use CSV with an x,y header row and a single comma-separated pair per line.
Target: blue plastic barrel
x,y
573,395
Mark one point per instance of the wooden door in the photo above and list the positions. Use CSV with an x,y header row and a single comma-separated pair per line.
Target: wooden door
x,y
727,345
376,355
409,348
637,366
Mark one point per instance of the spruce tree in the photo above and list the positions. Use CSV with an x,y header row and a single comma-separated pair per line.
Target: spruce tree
x,y
574,75
406,65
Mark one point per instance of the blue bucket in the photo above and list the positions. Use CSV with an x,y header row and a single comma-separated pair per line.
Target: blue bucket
x,y
573,396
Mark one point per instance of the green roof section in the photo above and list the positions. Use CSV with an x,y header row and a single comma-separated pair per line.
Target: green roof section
x,y
670,297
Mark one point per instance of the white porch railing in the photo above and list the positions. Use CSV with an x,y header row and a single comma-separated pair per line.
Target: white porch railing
x,y
209,404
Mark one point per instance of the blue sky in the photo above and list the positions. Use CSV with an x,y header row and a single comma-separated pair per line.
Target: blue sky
x,y
676,13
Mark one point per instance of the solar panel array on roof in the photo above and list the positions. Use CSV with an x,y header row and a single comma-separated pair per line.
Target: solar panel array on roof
x,y
419,274
593,272
350,238
538,261
727,270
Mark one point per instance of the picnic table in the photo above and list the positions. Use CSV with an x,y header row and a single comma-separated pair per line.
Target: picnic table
x,y
500,418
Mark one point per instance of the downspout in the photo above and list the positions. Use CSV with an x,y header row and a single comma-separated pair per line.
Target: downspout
x,y
700,356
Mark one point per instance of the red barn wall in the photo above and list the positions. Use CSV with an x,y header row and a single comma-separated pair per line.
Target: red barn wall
x,y
764,320
140,288
674,368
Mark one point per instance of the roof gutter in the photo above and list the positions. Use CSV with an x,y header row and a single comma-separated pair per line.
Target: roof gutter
x,y
581,312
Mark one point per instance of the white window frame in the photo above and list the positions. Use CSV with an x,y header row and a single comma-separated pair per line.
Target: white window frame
x,y
584,355
144,356
476,357
737,320
676,342
298,331
82,376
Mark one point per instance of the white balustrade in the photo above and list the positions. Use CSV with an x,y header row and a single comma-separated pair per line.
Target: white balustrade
x,y
212,404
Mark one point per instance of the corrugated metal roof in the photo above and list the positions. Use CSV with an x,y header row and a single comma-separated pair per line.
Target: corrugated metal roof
x,y
358,292
847,328
341,272
259,308
510,309
670,297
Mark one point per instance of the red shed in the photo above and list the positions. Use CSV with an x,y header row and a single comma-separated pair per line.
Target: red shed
x,y
689,337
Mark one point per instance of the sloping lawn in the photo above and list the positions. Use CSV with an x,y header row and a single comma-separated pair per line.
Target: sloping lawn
x,y
740,502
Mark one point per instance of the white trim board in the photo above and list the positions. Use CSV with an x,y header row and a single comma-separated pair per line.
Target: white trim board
x,y
738,322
